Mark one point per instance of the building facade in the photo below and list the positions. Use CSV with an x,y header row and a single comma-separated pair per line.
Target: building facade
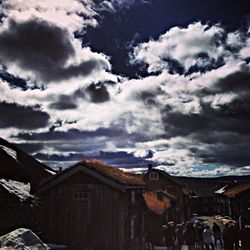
x,y
94,206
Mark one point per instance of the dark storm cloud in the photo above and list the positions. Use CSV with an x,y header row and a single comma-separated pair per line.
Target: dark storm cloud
x,y
43,48
13,80
97,93
238,81
233,117
123,159
72,134
119,159
55,157
14,115
29,148
64,102
223,148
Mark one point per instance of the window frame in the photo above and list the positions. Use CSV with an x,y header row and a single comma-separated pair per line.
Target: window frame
x,y
82,195
153,176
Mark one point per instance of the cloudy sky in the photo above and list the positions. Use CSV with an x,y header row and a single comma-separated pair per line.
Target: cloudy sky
x,y
129,82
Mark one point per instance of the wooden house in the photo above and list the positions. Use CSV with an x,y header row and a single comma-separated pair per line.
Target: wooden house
x,y
156,179
205,201
160,209
237,200
94,206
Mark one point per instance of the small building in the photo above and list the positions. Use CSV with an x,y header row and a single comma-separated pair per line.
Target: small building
x,y
205,201
156,179
237,200
94,206
160,209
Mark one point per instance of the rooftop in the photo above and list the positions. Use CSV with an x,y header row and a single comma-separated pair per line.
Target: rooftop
x,y
110,175
234,191
154,204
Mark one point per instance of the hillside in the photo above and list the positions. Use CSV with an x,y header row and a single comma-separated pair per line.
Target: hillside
x,y
15,164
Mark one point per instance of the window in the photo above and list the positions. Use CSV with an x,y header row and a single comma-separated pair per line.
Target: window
x,y
81,196
153,176
133,196
160,196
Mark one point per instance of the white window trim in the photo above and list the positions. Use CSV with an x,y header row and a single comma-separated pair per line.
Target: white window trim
x,y
153,176
81,196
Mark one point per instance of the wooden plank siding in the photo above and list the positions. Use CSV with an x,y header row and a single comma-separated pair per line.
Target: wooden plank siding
x,y
167,183
101,222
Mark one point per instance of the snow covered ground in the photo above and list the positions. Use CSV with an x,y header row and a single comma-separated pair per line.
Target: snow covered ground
x,y
25,239
10,152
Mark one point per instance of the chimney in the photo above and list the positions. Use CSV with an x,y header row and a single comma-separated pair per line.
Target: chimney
x,y
150,166
60,170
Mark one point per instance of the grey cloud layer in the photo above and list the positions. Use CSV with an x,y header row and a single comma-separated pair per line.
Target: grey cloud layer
x,y
13,115
45,49
193,109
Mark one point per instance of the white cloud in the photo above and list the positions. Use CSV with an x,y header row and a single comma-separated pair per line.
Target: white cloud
x,y
183,45
71,14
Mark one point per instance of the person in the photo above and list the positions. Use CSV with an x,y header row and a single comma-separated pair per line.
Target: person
x,y
228,237
179,236
217,234
190,235
244,236
199,228
148,237
208,238
169,234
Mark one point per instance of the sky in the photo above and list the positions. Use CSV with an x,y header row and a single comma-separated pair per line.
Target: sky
x,y
129,82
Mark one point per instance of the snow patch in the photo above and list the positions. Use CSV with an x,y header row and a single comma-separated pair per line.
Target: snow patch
x,y
20,189
221,190
10,152
22,239
50,171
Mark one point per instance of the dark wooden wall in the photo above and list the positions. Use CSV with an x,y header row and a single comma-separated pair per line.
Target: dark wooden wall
x,y
101,223
163,183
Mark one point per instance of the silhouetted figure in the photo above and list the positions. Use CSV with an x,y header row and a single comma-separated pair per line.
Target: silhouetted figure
x,y
169,234
199,228
179,236
208,238
148,237
190,235
217,234
244,236
228,237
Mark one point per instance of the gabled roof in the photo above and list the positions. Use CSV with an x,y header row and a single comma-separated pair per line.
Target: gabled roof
x,y
110,175
154,204
234,191
222,190
166,175
164,192
203,191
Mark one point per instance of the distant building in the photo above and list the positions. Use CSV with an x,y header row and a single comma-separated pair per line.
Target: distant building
x,y
204,200
94,206
156,179
236,199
